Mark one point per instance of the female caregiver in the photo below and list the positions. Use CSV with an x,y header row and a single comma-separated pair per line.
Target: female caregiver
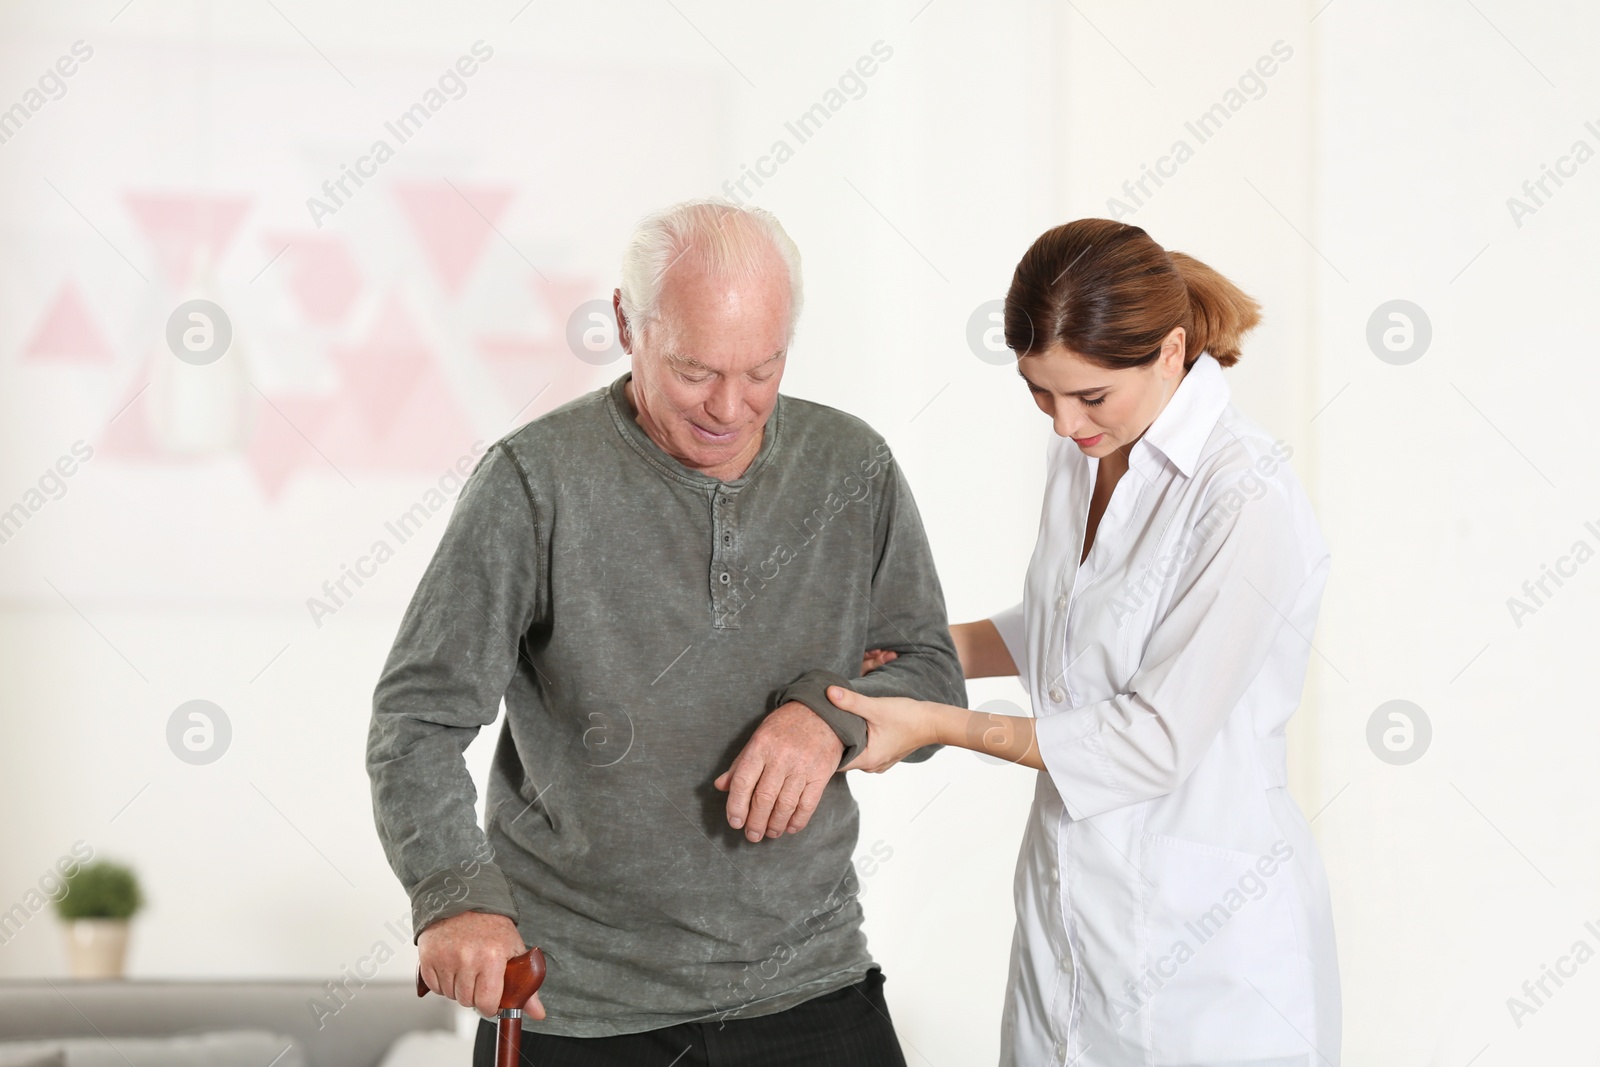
x,y
1171,905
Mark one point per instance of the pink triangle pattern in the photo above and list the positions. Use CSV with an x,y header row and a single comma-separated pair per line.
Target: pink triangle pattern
x,y
448,226
277,448
429,432
521,366
68,333
177,225
542,365
324,280
395,410
432,431
380,372
128,436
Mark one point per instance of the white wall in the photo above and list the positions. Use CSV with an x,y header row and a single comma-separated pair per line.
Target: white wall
x,y
1445,484
1374,165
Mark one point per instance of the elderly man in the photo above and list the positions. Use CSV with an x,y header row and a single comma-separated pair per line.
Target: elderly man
x,y
660,578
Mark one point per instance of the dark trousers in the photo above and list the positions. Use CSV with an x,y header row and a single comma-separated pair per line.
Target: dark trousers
x,y
846,1028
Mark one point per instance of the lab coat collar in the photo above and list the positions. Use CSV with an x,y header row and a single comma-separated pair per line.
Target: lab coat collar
x,y
1185,424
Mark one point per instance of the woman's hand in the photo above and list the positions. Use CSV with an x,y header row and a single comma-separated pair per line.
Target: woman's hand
x,y
896,727
875,658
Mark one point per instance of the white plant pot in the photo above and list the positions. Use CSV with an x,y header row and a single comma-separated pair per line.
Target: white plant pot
x,y
97,948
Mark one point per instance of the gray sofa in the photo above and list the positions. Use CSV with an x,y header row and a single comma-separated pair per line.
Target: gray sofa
x,y
357,1035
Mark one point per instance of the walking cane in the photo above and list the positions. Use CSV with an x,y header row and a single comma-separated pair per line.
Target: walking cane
x,y
524,976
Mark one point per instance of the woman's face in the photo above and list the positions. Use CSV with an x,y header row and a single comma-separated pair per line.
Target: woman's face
x,y
1102,410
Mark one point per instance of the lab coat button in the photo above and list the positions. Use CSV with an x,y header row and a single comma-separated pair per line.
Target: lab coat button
x,y
1057,694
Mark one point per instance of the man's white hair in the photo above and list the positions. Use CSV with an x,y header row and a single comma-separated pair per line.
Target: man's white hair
x,y
730,241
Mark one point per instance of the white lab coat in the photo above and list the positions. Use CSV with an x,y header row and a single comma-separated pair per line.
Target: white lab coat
x,y
1172,909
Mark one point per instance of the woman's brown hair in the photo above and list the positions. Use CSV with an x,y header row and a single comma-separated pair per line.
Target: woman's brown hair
x,y
1110,294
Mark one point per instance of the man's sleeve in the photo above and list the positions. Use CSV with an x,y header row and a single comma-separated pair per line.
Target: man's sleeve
x,y
907,617
452,660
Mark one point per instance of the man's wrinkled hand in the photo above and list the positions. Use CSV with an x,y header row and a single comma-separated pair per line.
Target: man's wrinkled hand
x,y
776,782
464,958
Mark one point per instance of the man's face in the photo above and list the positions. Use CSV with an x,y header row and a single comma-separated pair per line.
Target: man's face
x,y
706,371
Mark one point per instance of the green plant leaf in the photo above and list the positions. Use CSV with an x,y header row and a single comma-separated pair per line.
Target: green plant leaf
x,y
101,890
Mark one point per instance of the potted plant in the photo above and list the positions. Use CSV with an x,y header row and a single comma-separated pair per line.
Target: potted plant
x,y
101,897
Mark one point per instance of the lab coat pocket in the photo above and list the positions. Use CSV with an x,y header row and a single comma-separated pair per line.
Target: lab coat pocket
x,y
1223,976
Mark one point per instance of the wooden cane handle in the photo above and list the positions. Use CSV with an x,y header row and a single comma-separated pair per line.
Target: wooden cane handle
x,y
524,975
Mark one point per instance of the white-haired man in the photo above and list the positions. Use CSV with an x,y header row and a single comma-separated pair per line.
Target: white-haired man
x,y
660,579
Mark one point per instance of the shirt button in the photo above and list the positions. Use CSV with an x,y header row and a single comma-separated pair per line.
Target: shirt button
x,y
1066,963
727,539
1061,602
723,578
1061,1050
1057,694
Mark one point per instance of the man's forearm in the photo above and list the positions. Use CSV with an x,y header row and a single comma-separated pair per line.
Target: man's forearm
x,y
925,672
811,689
423,807
469,885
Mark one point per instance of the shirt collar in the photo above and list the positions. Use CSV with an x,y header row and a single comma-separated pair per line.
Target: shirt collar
x,y
1185,424
627,423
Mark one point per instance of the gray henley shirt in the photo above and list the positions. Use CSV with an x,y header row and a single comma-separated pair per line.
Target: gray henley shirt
x,y
639,620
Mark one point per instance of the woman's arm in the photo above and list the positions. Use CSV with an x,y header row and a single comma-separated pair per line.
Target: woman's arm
x,y
897,726
983,653
979,646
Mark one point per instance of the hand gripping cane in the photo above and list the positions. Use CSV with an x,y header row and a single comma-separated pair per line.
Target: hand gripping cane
x,y
524,976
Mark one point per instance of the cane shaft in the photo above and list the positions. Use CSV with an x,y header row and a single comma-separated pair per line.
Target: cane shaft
x,y
508,1042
